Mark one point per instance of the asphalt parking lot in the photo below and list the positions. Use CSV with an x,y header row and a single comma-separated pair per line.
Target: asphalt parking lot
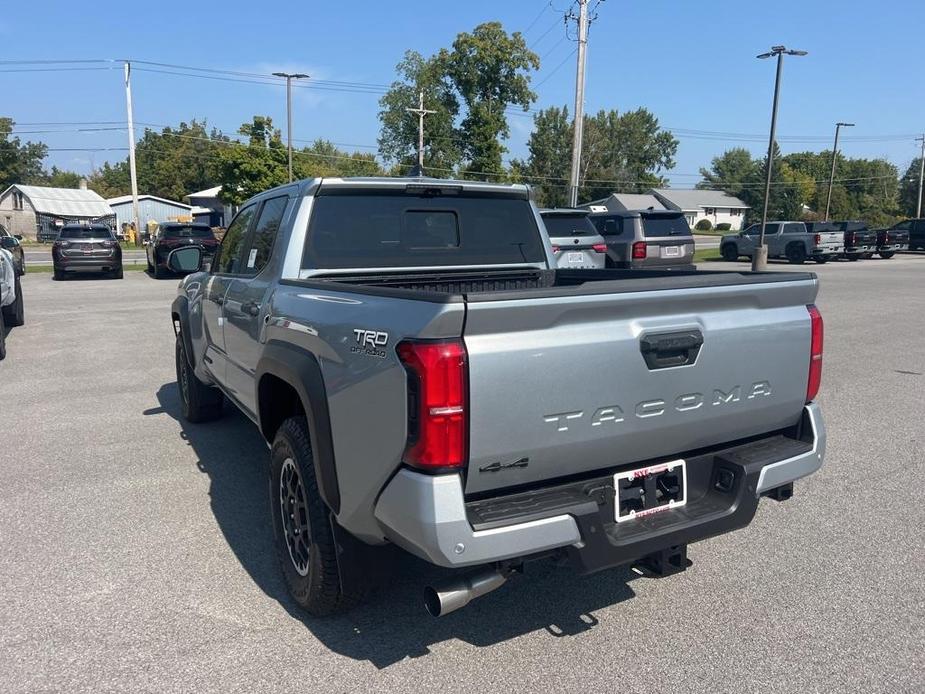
x,y
137,548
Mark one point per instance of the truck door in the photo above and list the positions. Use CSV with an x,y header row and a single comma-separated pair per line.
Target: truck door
x,y
225,266
246,303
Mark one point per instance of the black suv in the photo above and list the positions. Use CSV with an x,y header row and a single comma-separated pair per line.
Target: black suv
x,y
86,248
646,239
171,235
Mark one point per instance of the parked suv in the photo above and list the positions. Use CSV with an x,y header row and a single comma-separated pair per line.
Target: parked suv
x,y
790,240
171,235
575,241
86,248
11,243
646,239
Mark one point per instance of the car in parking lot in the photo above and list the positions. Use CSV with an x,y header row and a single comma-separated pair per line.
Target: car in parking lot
x,y
11,243
906,235
646,239
11,299
86,248
171,235
575,241
784,239
859,239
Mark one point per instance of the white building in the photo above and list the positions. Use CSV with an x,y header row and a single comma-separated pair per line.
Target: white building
x,y
714,205
38,212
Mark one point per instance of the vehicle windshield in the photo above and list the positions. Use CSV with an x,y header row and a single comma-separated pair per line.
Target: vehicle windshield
x,y
558,225
360,229
187,232
85,233
662,225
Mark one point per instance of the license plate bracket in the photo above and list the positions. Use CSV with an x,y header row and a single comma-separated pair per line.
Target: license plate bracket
x,y
649,490
671,251
576,258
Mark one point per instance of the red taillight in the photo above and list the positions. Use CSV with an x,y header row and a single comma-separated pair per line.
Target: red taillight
x,y
639,250
600,247
886,237
815,353
438,418
818,239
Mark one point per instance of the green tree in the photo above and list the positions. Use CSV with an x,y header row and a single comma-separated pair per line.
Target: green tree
x,y
59,178
398,137
20,162
491,71
247,169
909,189
550,148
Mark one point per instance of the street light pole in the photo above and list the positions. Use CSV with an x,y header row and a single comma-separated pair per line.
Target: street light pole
x,y
578,130
828,198
918,206
289,77
760,256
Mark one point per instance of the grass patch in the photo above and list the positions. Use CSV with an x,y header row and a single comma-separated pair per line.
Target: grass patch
x,y
707,255
48,269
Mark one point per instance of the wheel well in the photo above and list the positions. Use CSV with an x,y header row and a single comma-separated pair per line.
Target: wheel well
x,y
276,401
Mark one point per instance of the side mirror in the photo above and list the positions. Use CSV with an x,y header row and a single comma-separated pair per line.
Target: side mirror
x,y
187,259
8,242
18,237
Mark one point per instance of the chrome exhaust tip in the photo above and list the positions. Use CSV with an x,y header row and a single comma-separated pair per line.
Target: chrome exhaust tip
x,y
456,594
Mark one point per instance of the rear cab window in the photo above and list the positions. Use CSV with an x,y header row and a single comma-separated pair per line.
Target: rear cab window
x,y
85,233
352,228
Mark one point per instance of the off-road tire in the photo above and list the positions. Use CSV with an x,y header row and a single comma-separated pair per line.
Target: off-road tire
x,y
318,591
730,252
796,254
198,402
14,315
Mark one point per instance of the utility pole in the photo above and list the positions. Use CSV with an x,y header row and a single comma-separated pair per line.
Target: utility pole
x,y
131,148
918,207
828,198
420,112
289,77
760,255
579,102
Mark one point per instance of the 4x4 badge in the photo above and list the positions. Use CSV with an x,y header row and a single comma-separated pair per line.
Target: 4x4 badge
x,y
497,466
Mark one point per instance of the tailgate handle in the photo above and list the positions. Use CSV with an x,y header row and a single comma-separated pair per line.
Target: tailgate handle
x,y
671,349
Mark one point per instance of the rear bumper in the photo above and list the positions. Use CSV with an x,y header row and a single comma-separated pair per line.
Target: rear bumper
x,y
428,514
893,247
88,264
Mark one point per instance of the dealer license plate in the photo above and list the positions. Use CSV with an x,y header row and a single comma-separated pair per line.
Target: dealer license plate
x,y
648,490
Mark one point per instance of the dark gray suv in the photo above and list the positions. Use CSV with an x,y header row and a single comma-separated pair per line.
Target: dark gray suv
x,y
646,239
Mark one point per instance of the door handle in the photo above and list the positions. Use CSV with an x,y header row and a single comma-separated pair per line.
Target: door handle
x,y
217,299
250,308
665,350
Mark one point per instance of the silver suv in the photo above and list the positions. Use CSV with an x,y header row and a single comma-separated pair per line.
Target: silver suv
x,y
646,239
575,241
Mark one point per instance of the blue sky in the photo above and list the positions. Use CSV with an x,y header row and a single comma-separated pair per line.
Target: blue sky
x,y
691,63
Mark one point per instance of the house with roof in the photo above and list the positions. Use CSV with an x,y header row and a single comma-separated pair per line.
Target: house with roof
x,y
621,202
211,209
38,212
714,205
151,209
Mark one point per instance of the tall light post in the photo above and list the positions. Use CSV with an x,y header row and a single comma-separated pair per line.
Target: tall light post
x,y
289,77
828,198
760,256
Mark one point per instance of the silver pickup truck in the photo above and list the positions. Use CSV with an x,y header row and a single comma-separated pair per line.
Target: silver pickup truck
x,y
425,377
790,240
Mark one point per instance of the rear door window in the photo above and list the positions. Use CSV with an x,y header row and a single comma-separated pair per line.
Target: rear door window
x,y
376,229
228,257
660,225
264,236
794,228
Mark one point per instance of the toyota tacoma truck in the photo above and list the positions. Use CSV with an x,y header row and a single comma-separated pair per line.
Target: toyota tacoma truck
x,y
424,376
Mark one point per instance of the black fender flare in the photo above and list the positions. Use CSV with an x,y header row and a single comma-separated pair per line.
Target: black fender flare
x,y
301,370
180,309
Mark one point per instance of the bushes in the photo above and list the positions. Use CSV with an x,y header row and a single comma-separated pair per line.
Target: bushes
x,y
704,225
723,226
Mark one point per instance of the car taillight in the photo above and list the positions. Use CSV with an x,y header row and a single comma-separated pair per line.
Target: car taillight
x,y
437,408
639,250
886,237
599,247
818,239
815,353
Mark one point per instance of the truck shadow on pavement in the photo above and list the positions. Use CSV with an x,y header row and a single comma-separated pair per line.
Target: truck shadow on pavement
x,y
393,624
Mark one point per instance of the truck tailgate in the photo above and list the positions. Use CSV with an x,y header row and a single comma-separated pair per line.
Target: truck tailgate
x,y
563,385
833,240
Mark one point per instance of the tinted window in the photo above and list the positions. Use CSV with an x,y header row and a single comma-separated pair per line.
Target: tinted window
x,y
665,226
752,230
794,229
85,233
401,230
569,225
228,256
186,232
903,225
271,216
